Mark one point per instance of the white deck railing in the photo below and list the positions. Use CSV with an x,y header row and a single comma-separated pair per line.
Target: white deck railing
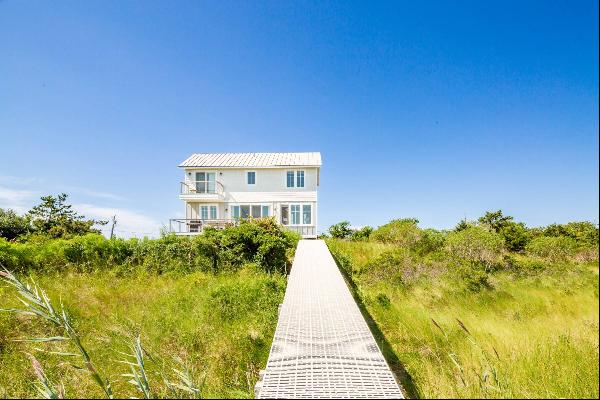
x,y
201,187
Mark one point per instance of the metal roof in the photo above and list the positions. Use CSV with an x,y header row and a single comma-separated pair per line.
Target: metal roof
x,y
258,160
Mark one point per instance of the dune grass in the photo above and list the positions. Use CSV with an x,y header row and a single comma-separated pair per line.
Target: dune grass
x,y
527,336
219,326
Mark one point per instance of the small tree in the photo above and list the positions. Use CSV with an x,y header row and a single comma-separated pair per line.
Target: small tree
x,y
55,218
341,230
362,233
516,236
495,220
12,225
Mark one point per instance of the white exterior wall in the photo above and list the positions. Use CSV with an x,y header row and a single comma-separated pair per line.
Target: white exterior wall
x,y
270,189
267,179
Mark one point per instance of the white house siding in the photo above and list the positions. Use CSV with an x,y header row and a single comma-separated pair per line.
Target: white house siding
x,y
267,180
270,189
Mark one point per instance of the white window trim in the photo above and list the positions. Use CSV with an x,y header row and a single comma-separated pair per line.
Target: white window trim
x,y
295,171
301,204
285,179
199,211
255,178
303,178
270,205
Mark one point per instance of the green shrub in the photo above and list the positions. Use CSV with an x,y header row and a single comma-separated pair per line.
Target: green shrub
x,y
473,275
362,233
341,230
12,225
476,245
524,266
554,248
259,241
585,232
237,300
397,265
515,236
430,241
402,232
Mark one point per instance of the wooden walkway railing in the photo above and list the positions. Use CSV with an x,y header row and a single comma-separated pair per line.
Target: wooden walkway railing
x,y
323,347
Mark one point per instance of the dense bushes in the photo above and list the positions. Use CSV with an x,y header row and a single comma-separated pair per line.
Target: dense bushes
x,y
258,241
555,248
470,252
402,232
476,245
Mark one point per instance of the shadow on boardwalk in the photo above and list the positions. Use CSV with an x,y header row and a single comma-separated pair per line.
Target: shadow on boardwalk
x,y
401,374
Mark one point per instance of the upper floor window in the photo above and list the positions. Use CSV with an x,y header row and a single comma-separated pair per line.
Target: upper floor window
x,y
295,178
251,177
290,179
300,179
205,182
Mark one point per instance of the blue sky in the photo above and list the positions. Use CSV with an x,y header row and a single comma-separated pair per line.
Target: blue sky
x,y
434,110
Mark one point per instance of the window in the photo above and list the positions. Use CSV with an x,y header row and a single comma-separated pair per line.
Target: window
x,y
290,179
306,215
249,210
295,214
300,179
251,177
245,211
285,212
208,212
205,182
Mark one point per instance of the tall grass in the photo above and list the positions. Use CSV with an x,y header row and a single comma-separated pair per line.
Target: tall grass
x,y
528,335
190,345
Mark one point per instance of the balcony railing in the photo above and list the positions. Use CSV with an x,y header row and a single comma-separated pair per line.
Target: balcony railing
x,y
201,187
190,226
304,231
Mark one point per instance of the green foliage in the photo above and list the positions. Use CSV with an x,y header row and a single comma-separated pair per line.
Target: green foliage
x,y
462,331
361,234
185,339
430,241
495,220
12,225
463,224
341,230
472,275
583,232
261,242
554,248
402,232
476,245
238,298
515,236
56,219
396,265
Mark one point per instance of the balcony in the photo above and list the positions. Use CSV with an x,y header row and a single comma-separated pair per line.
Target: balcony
x,y
190,226
187,226
201,190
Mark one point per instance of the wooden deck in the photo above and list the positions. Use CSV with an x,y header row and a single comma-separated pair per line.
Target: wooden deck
x,y
323,347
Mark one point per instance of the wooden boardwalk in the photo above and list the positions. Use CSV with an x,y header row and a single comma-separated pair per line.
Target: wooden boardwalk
x,y
323,347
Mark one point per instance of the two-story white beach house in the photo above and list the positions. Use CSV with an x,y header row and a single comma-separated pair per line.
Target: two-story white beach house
x,y
221,188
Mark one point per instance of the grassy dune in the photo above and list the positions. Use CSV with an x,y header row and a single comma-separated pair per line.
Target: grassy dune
x,y
220,325
526,336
